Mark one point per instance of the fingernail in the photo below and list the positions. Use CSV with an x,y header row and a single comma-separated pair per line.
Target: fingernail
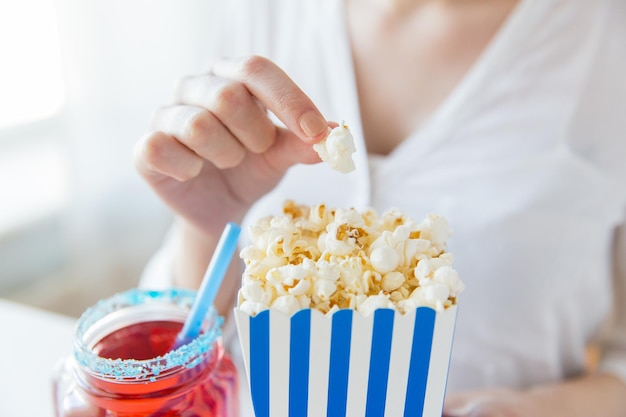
x,y
312,124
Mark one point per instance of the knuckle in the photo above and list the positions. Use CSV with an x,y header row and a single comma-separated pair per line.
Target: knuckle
x,y
287,99
252,65
198,128
262,141
261,146
228,159
209,141
229,97
153,149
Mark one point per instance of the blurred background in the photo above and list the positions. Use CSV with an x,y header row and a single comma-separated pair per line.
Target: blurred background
x,y
79,81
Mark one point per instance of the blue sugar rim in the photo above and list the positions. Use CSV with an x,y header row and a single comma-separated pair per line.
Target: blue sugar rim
x,y
187,356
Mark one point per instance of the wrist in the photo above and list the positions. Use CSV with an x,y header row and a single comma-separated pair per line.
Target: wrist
x,y
193,251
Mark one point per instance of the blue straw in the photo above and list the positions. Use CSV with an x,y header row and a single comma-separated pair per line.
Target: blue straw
x,y
210,285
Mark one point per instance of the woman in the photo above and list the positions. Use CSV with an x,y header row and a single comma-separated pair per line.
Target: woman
x,y
505,116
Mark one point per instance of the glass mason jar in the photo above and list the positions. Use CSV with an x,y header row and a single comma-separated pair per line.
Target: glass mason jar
x,y
122,364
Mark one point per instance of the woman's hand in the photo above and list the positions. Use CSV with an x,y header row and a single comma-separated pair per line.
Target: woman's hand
x,y
588,396
492,403
216,152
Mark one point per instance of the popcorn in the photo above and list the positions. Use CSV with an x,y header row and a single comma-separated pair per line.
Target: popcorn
x,y
287,304
252,308
256,292
374,302
330,259
337,149
338,242
324,289
384,259
392,281
435,229
450,278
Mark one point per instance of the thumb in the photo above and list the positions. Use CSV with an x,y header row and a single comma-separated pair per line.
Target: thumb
x,y
475,408
462,412
460,406
288,150
458,412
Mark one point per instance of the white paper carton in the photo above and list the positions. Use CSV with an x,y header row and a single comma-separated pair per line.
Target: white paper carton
x,y
346,365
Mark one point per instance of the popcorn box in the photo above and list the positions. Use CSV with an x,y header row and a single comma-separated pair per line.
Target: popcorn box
x,y
347,365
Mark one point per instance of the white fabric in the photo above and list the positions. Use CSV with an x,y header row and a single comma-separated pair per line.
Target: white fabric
x,y
526,158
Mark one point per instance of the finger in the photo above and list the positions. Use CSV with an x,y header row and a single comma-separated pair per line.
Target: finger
x,y
481,406
201,132
286,151
467,411
233,105
161,154
459,404
267,82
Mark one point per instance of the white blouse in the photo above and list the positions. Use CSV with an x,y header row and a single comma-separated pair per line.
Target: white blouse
x,y
526,158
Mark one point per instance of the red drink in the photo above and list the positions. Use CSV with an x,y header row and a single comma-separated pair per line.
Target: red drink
x,y
139,341
125,368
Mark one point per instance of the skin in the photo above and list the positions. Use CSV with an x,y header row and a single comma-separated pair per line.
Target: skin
x,y
215,152
400,47
213,155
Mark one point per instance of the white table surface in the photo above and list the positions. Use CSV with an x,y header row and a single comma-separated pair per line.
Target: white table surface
x,y
33,342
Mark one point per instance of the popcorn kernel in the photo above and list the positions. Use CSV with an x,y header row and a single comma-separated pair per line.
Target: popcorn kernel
x,y
330,259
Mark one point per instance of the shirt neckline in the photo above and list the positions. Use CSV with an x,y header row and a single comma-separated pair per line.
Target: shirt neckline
x,y
499,49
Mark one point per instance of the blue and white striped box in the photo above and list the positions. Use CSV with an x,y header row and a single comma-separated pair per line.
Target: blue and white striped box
x,y
347,365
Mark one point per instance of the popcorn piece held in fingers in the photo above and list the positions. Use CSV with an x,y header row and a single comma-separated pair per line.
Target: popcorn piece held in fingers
x,y
337,149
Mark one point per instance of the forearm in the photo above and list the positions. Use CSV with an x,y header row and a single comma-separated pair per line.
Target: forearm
x,y
193,251
588,396
593,395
